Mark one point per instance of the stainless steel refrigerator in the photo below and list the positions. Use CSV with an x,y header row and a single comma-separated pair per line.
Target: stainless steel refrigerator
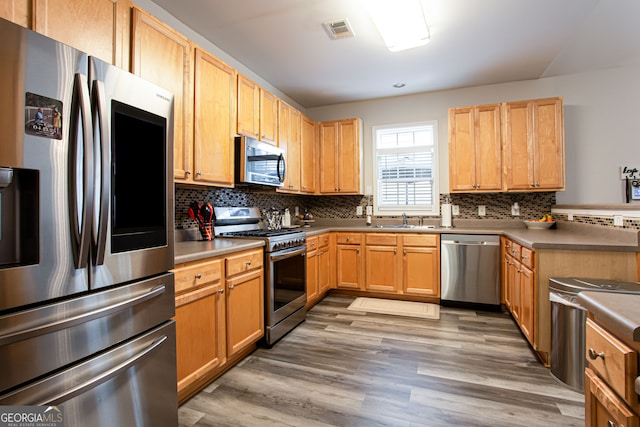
x,y
86,237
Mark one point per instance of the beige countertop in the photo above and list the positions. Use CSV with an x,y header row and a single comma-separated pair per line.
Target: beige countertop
x,y
564,236
618,311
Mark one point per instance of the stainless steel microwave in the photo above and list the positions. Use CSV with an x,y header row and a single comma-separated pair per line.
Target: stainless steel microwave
x,y
258,162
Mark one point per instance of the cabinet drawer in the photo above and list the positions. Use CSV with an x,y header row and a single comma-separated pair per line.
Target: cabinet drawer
x,y
242,262
349,238
526,256
312,243
603,407
382,239
323,240
195,275
613,361
420,240
514,250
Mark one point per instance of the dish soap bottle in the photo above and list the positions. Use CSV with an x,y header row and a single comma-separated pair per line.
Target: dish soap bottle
x,y
286,218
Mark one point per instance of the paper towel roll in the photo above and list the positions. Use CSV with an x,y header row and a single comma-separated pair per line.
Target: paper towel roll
x,y
445,213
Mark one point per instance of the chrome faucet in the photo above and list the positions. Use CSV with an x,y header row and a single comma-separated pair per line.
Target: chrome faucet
x,y
404,218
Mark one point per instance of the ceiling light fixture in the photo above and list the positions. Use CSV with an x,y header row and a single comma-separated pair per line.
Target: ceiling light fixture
x,y
401,23
399,85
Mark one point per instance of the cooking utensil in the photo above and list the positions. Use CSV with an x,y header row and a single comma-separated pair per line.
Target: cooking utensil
x,y
206,213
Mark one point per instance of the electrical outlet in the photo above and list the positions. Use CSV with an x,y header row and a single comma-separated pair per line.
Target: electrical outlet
x,y
359,210
570,216
369,210
618,221
482,210
455,210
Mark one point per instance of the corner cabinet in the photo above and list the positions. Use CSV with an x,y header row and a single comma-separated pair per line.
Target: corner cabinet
x,y
475,148
534,145
340,157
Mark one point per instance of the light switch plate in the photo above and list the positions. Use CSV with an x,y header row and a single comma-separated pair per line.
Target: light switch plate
x,y
359,210
570,216
482,210
618,221
369,210
455,210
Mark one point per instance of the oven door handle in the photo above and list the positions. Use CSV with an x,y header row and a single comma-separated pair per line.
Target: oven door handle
x,y
280,255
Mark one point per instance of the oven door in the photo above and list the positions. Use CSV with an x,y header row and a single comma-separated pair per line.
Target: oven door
x,y
286,283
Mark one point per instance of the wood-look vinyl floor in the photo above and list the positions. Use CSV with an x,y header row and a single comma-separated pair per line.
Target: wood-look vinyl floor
x,y
346,368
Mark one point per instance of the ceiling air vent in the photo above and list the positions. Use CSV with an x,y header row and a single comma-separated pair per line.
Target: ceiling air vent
x,y
338,28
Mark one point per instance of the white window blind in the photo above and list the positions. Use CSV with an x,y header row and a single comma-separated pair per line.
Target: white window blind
x,y
405,163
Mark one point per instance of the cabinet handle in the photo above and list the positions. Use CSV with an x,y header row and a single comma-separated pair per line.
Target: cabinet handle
x,y
404,252
593,355
348,238
221,291
248,262
357,251
395,251
537,184
198,276
231,287
611,424
525,256
198,173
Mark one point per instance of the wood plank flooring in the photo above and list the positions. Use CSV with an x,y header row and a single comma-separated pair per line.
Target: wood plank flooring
x,y
346,368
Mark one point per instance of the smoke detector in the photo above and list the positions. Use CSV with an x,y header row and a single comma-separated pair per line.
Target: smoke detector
x,y
338,28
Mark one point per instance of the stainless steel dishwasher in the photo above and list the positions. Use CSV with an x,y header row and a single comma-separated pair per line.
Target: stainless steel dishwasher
x,y
470,270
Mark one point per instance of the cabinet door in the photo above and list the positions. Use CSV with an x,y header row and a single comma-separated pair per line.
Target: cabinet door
x,y
248,107
421,271
519,146
17,11
548,140
602,406
289,140
488,148
200,334
162,56
513,279
527,303
328,157
312,278
349,267
383,268
268,117
214,125
348,156
462,157
324,269
245,310
97,27
308,168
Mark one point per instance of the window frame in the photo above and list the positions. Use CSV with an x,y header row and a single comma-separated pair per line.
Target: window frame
x,y
411,210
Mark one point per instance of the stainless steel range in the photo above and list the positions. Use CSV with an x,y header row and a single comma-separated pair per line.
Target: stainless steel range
x,y
285,267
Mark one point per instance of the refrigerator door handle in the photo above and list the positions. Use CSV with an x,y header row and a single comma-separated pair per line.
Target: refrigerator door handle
x,y
102,377
80,128
99,108
61,320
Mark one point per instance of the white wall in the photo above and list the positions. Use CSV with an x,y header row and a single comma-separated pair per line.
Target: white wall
x,y
601,125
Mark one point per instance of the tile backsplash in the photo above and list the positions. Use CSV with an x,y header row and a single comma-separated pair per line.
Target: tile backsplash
x,y
498,205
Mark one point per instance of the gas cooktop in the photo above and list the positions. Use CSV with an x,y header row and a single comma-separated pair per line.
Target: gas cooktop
x,y
260,233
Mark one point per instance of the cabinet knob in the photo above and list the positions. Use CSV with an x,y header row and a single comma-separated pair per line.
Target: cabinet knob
x,y
198,173
593,355
187,173
198,276
221,291
404,252
231,287
611,424
357,251
395,251
348,238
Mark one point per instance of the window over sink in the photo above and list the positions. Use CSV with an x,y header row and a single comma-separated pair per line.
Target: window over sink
x,y
405,162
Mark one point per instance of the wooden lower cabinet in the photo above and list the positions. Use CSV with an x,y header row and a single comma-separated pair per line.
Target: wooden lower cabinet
x,y
421,265
219,316
349,261
382,263
318,268
520,287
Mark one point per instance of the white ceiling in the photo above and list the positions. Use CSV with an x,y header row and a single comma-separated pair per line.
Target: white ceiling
x,y
473,42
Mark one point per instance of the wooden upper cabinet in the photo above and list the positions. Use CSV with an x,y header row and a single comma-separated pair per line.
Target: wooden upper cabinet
x,y
17,11
534,145
164,57
340,157
214,124
475,153
289,141
97,27
248,107
268,117
308,154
